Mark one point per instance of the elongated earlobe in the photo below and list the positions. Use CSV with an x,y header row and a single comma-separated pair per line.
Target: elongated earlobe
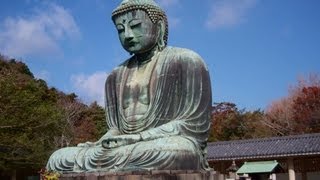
x,y
161,34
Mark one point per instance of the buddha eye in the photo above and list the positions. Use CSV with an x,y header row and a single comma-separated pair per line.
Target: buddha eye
x,y
135,23
120,28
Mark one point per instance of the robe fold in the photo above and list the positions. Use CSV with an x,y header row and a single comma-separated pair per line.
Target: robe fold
x,y
174,129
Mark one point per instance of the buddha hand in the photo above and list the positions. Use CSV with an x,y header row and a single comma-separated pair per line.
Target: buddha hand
x,y
110,133
86,144
121,140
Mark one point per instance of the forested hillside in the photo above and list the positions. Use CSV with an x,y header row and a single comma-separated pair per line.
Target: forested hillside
x,y
36,119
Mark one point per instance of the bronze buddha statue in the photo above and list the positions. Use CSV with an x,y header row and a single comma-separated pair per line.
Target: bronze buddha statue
x,y
157,103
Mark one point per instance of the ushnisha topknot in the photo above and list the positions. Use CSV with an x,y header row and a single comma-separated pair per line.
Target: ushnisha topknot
x,y
149,6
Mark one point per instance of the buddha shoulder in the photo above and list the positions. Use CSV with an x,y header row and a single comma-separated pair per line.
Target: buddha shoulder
x,y
115,71
185,56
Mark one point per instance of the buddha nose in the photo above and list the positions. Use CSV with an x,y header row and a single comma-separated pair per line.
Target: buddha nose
x,y
128,34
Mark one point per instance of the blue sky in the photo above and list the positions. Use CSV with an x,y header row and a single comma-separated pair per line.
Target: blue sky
x,y
255,49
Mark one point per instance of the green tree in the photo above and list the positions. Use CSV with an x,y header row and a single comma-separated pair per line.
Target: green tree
x,y
29,117
36,120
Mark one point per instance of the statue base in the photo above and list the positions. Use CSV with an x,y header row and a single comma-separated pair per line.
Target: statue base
x,y
143,175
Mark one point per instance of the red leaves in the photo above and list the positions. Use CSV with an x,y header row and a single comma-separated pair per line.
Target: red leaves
x,y
299,112
306,108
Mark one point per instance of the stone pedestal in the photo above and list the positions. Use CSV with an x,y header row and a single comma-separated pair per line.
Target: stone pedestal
x,y
142,175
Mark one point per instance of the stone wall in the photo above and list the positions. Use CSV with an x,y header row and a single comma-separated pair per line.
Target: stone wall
x,y
142,175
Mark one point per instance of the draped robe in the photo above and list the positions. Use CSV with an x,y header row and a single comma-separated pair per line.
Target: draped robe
x,y
174,129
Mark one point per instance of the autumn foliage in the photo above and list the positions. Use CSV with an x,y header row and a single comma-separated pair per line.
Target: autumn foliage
x,y
230,123
306,110
299,112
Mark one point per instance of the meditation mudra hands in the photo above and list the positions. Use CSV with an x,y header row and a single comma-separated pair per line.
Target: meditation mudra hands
x,y
121,140
113,139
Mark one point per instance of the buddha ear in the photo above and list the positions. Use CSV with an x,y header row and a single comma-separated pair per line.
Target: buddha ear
x,y
161,34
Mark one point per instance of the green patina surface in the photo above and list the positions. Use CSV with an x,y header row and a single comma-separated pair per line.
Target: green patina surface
x,y
157,102
257,167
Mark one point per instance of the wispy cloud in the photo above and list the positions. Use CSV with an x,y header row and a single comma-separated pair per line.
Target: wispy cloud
x,y
228,13
168,3
90,87
39,33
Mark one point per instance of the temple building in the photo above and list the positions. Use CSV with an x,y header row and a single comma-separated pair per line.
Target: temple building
x,y
281,158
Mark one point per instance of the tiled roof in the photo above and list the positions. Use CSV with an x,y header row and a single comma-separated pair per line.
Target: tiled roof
x,y
301,145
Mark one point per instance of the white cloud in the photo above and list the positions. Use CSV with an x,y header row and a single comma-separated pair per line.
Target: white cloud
x,y
167,3
90,87
227,13
39,33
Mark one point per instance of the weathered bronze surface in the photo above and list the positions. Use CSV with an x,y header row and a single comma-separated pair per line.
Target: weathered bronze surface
x,y
157,103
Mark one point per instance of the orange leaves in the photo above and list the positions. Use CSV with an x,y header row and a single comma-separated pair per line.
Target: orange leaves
x,y
299,112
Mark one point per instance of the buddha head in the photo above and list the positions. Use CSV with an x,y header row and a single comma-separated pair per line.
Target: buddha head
x,y
142,26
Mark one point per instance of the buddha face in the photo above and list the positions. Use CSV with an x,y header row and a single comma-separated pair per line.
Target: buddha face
x,y
136,31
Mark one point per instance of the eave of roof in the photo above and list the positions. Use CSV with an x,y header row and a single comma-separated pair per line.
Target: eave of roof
x,y
287,146
258,167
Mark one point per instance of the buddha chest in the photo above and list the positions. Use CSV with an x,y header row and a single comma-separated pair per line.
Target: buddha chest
x,y
136,92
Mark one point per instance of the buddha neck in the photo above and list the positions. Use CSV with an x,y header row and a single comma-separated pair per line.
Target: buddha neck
x,y
145,57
